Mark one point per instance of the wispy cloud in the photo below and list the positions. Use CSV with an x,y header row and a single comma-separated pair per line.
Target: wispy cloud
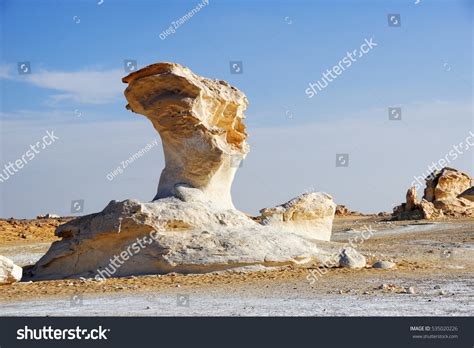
x,y
5,72
86,86
33,116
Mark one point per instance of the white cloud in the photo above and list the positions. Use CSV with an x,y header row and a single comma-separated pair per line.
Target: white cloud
x,y
5,72
86,86
22,118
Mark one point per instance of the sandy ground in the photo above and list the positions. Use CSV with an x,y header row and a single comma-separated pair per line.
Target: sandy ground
x,y
436,259
17,232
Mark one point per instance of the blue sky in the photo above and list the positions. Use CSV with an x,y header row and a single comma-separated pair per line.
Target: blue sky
x,y
77,48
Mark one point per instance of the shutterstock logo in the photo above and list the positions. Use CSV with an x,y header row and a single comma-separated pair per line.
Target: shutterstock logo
x,y
48,333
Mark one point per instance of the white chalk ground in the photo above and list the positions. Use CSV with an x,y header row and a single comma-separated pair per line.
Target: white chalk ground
x,y
296,299
24,255
399,230
459,302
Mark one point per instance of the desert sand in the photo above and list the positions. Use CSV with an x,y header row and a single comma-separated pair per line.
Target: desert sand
x,y
435,259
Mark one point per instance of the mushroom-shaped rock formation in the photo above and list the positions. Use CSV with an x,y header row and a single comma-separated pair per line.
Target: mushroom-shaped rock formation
x,y
191,226
200,124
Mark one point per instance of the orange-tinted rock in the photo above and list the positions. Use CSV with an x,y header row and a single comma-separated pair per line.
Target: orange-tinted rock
x,y
412,199
448,193
446,184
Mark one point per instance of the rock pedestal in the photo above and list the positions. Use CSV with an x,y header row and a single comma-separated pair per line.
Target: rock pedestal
x,y
200,124
191,226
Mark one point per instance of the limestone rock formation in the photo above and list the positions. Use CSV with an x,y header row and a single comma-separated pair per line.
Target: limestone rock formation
x,y
200,124
429,211
171,235
342,210
9,272
309,215
191,226
411,199
446,184
455,207
351,258
410,210
448,193
48,216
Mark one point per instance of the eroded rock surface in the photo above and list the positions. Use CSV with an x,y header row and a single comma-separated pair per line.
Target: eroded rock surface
x,y
171,235
448,193
446,184
200,124
411,199
9,272
310,215
342,210
191,226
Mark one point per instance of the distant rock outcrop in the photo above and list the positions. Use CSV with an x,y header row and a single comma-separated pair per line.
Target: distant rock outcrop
x,y
342,210
191,226
446,184
411,199
48,216
448,193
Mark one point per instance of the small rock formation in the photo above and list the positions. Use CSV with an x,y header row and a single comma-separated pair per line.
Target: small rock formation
x,y
411,199
448,193
342,210
429,211
309,215
383,264
200,124
351,258
48,216
191,226
9,272
412,209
